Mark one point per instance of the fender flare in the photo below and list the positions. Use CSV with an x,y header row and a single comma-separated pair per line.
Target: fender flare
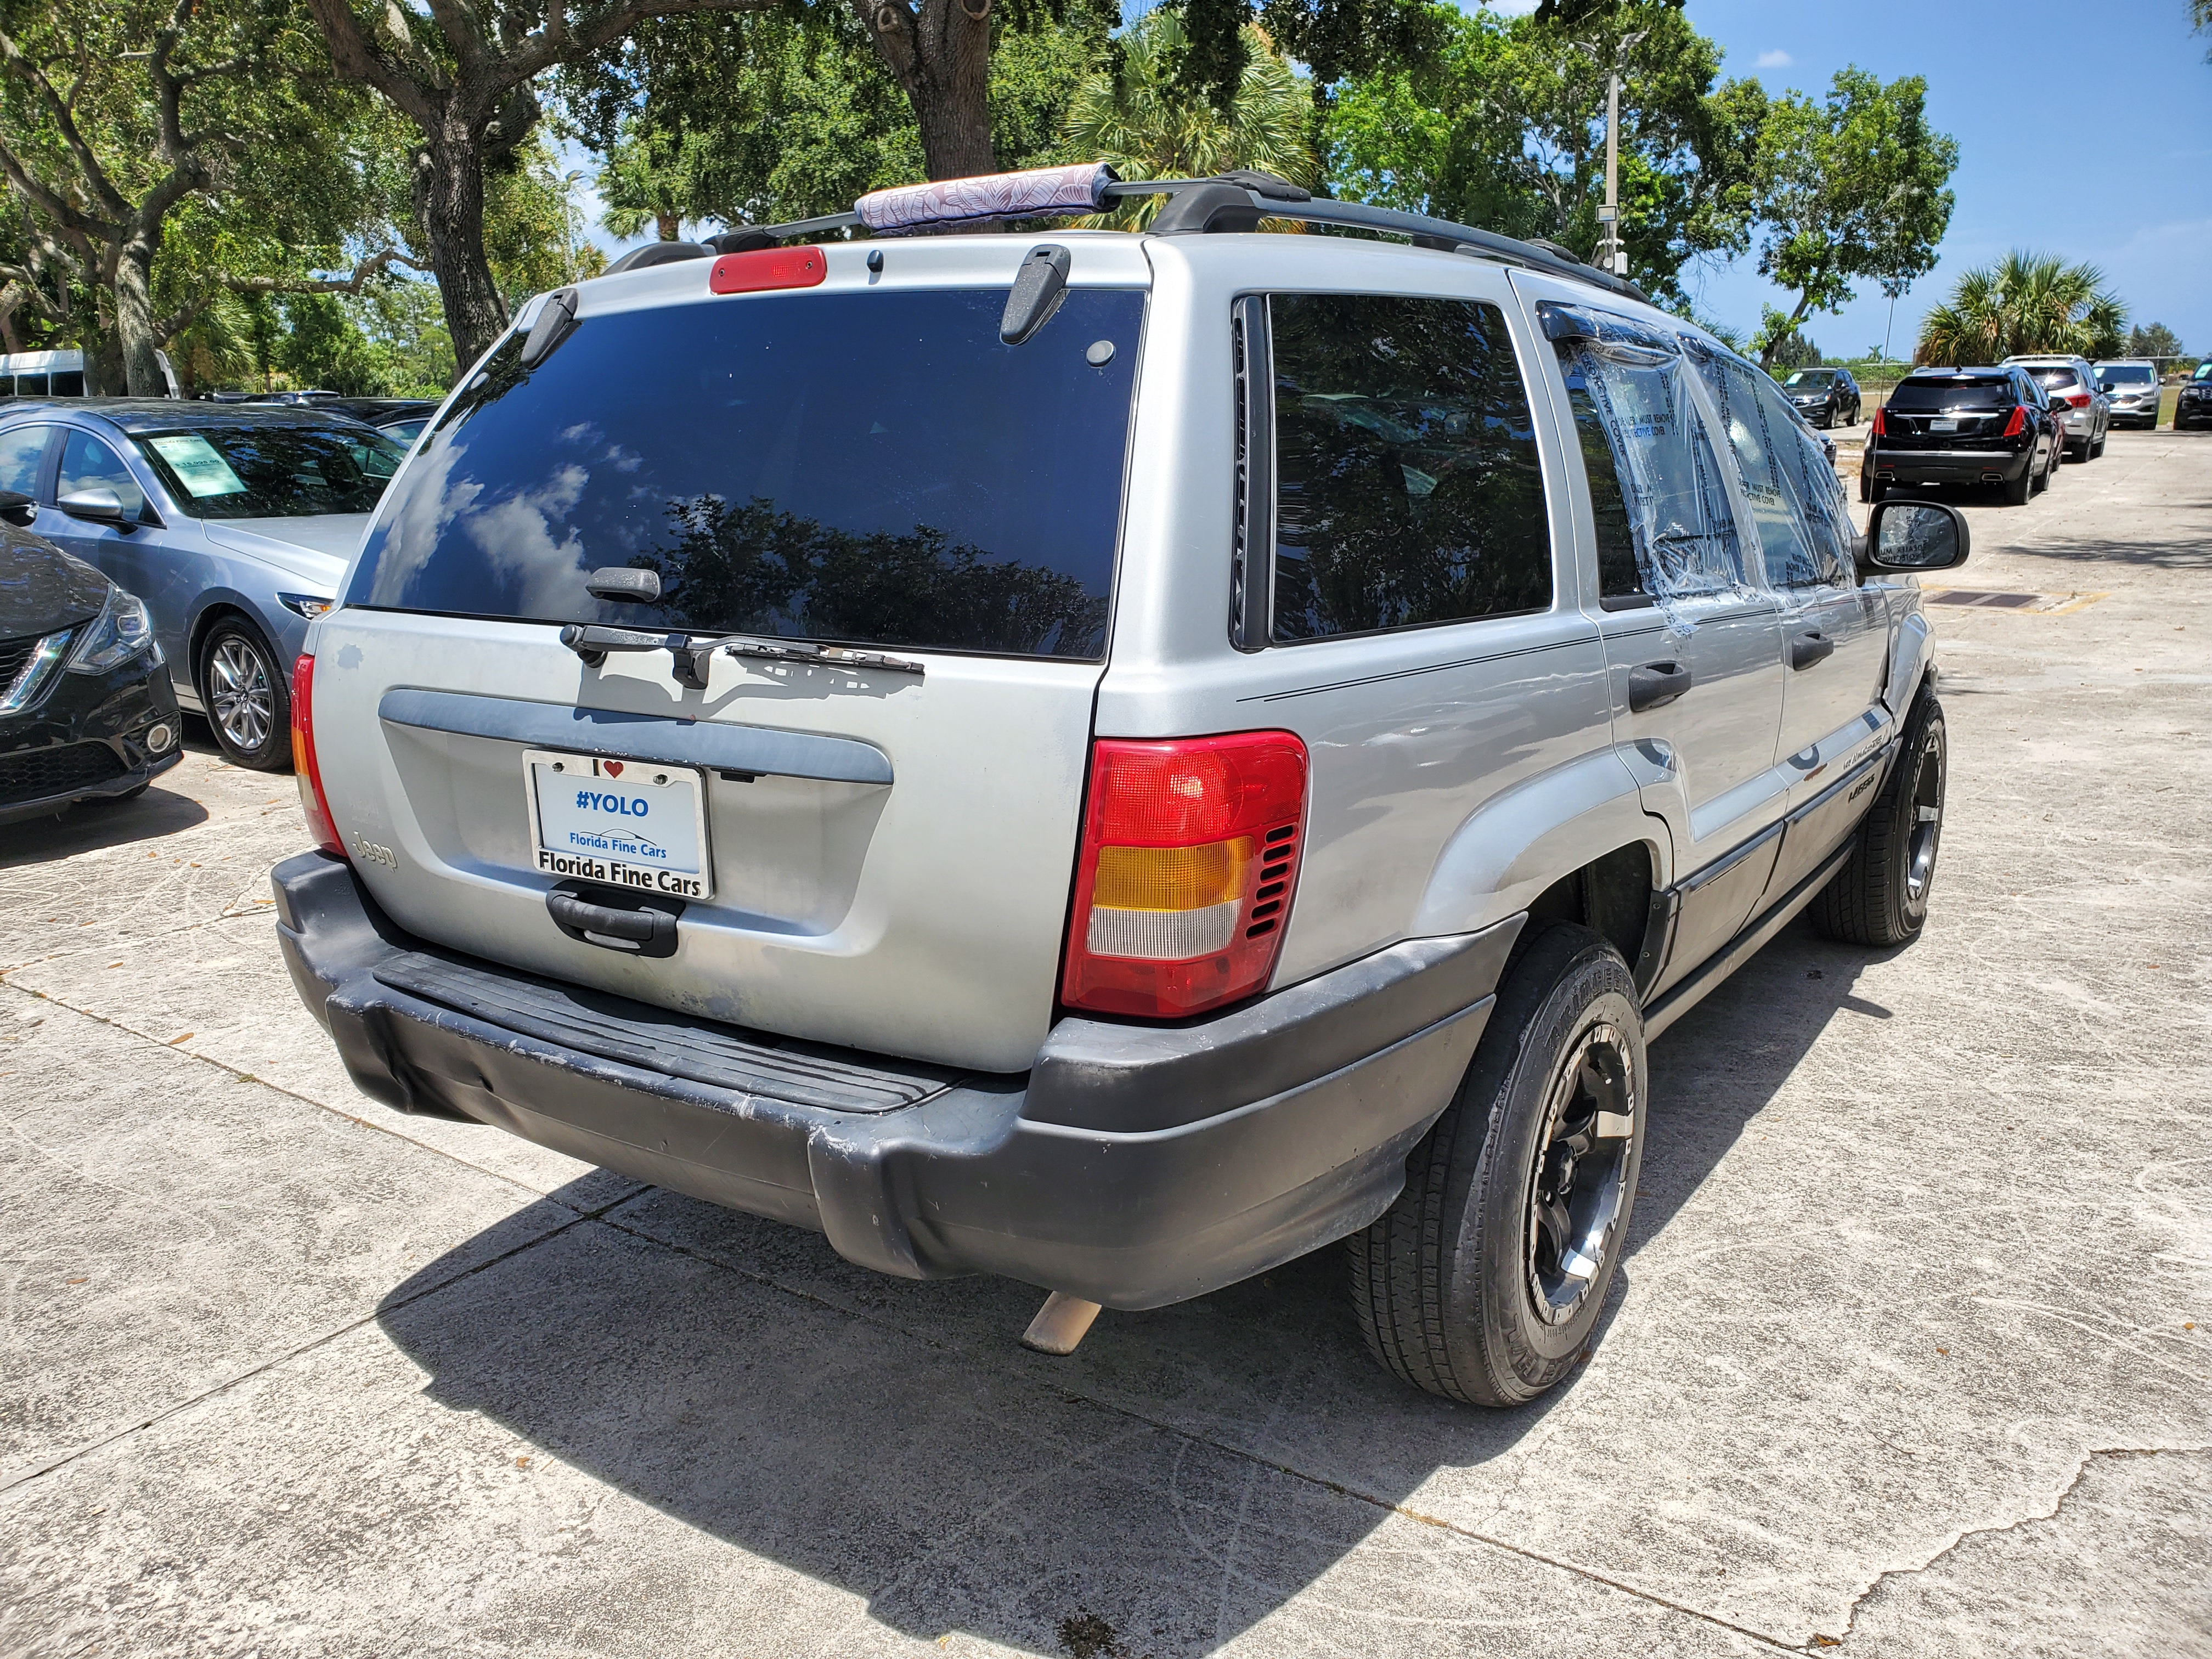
x,y
1518,842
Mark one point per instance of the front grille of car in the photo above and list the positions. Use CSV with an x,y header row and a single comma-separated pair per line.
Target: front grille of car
x,y
36,773
14,653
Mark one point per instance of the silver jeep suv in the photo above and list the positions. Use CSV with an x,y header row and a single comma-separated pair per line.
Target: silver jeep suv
x,y
1111,760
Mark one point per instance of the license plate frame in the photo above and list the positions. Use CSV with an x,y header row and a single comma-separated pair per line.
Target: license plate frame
x,y
1945,425
621,859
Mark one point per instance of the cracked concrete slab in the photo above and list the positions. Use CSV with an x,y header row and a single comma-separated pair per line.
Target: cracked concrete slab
x,y
601,1445
171,1227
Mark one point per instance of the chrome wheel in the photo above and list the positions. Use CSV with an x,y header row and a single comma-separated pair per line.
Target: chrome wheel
x,y
1580,1192
240,690
1926,833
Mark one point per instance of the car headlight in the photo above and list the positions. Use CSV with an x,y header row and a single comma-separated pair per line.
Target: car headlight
x,y
120,633
310,605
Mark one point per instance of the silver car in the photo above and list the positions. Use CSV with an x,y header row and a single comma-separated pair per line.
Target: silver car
x,y
2083,411
233,523
2132,384
1112,759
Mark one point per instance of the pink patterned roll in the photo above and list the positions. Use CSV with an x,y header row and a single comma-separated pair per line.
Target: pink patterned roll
x,y
1040,190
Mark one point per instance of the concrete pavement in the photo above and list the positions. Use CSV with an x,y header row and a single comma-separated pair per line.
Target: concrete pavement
x,y
1910,1356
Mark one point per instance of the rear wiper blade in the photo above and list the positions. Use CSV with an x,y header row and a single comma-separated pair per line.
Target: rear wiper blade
x,y
592,641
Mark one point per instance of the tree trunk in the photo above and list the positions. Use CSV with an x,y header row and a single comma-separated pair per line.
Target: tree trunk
x,y
941,58
669,225
449,198
134,317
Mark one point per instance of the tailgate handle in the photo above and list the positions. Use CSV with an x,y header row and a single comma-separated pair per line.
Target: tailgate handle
x,y
645,929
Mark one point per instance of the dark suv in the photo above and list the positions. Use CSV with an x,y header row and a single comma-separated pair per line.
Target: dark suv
x,y
1825,396
2194,406
1963,425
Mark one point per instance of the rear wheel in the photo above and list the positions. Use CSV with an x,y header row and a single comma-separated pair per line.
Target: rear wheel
x,y
1483,1282
248,700
1881,895
1872,489
2098,447
2016,490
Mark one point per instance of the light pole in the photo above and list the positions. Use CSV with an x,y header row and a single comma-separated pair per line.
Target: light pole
x,y
1611,255
568,215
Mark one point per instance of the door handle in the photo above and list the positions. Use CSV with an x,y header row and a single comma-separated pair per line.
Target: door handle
x,y
1810,647
1656,684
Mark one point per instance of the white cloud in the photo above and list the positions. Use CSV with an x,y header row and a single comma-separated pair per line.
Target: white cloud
x,y
1776,58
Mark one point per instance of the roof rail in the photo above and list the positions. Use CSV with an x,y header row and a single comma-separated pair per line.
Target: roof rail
x,y
1237,200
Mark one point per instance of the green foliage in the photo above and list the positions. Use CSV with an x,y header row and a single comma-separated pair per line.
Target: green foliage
x,y
2027,302
1501,123
1850,187
1150,124
1780,345
2153,339
529,230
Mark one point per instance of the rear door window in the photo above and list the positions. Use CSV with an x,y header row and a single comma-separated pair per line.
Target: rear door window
x,y
1408,489
1664,526
870,467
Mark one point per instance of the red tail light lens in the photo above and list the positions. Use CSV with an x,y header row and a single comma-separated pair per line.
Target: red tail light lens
x,y
2078,399
1881,427
2018,424
766,268
1184,878
305,767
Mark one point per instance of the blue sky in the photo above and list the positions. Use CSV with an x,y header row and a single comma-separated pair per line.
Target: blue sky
x,y
2129,187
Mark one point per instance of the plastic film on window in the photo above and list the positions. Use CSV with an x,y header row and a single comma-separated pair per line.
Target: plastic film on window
x,y
1796,502
1654,476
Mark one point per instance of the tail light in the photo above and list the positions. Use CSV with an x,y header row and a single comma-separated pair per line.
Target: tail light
x,y
1184,881
2078,399
2018,424
1881,427
305,767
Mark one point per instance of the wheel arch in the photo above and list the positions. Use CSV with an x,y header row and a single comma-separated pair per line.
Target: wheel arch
x,y
212,608
1553,841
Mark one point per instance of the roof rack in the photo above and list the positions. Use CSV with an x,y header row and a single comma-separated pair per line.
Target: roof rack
x,y
1228,202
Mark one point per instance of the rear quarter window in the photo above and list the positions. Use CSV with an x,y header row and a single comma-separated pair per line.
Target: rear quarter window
x,y
871,468
1408,490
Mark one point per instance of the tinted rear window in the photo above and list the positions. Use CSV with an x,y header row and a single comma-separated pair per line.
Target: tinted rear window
x,y
1976,391
2054,377
864,468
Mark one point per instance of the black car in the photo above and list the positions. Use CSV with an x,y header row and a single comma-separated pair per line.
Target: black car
x,y
86,709
2194,406
1963,425
1825,396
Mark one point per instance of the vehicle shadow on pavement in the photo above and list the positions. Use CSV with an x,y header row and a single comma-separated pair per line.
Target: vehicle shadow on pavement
x,y
90,826
1183,1475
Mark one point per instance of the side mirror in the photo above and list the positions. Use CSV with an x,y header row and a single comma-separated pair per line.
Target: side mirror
x,y
17,508
99,504
1914,537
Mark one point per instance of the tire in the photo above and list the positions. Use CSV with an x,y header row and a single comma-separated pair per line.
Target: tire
x,y
1879,898
2016,489
1873,490
2098,447
248,697
1447,1284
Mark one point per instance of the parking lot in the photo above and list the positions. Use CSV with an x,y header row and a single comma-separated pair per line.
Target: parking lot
x,y
1913,1353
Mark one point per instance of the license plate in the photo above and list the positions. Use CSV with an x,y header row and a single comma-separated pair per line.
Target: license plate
x,y
1942,426
629,824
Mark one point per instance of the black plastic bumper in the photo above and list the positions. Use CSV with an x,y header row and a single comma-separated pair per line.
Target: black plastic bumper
x,y
1132,1165
85,740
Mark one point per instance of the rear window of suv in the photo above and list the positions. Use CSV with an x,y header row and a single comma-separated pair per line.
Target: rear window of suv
x,y
1965,391
858,468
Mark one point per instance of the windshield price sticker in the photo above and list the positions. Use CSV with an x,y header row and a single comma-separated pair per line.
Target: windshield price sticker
x,y
198,468
637,825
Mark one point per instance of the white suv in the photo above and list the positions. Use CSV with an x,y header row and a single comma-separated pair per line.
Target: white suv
x,y
1113,760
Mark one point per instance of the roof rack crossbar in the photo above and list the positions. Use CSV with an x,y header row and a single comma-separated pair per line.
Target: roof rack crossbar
x,y
1349,215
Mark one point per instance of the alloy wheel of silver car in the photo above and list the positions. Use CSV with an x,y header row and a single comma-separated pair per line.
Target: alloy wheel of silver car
x,y
1581,1183
1926,833
239,686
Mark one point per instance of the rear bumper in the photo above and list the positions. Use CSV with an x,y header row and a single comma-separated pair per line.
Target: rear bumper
x,y
1946,466
1132,1165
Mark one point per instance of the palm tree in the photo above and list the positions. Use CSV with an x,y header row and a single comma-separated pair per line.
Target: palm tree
x,y
2027,302
1149,125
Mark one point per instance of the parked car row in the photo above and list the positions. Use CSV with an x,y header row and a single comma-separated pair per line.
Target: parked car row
x,y
224,529
2009,424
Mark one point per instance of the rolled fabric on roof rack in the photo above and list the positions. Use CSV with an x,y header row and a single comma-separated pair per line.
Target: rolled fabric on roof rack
x,y
1038,191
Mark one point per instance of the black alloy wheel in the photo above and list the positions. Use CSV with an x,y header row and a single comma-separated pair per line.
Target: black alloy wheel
x,y
1879,898
247,695
1484,1281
